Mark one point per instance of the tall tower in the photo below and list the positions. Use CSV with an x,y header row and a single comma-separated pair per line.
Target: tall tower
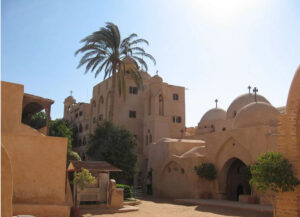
x,y
67,105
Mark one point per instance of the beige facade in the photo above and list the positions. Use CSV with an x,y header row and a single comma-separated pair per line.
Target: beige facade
x,y
38,162
288,204
150,114
230,139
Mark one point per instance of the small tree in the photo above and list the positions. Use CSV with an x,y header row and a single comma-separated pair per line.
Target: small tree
x,y
206,171
117,146
82,179
273,172
60,128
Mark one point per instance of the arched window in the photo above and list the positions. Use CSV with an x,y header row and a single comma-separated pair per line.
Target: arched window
x,y
161,105
149,106
80,128
84,141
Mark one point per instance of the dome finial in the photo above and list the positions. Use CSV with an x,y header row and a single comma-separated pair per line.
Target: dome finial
x,y
249,88
71,91
255,90
216,101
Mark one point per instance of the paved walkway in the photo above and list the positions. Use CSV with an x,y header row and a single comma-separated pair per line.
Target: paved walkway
x,y
151,207
228,204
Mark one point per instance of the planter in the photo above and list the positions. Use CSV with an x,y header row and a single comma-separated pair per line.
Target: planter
x,y
253,200
75,212
206,195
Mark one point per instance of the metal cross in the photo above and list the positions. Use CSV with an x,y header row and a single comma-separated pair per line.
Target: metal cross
x,y
255,90
249,88
156,72
216,101
71,92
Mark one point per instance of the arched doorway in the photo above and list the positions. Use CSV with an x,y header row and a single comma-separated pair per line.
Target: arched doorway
x,y
174,182
236,182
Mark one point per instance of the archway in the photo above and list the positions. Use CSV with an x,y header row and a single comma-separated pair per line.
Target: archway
x,y
174,182
236,182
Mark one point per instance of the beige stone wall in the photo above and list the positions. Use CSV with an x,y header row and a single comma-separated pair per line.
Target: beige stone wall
x,y
38,162
288,204
6,184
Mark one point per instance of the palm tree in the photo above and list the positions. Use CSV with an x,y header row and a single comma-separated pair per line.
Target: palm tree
x,y
104,51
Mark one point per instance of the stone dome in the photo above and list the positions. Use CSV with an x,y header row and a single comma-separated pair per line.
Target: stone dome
x,y
213,115
156,79
242,101
255,114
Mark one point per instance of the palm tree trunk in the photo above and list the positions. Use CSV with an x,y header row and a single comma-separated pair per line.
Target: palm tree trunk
x,y
112,96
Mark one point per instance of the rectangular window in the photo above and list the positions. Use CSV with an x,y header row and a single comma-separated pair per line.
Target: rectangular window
x,y
132,114
80,113
133,90
176,119
175,96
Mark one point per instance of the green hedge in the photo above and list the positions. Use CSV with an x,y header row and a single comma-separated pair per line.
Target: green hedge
x,y
127,190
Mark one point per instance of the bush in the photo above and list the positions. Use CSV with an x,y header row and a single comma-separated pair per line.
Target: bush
x,y
206,171
273,172
127,190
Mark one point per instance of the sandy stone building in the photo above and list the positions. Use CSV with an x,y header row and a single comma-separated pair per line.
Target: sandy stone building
x,y
288,204
153,113
33,165
230,139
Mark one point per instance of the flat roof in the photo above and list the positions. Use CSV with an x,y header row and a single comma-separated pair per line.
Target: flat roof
x,y
92,166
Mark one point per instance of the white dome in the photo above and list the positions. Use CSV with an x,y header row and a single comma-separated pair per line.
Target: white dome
x,y
213,115
255,114
242,101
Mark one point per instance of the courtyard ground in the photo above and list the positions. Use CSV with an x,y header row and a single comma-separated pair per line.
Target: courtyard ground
x,y
168,208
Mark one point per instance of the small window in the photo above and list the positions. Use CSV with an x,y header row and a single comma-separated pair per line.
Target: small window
x,y
87,127
80,128
132,114
133,90
76,115
224,129
100,117
175,96
176,119
146,140
150,138
80,113
94,120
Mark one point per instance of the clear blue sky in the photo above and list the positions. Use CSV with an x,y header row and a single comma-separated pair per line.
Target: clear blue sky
x,y
213,48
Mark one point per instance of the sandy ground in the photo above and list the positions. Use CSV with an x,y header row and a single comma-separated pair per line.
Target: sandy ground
x,y
167,208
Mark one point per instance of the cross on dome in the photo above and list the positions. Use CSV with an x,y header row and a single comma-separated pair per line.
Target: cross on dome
x,y
249,88
255,90
216,101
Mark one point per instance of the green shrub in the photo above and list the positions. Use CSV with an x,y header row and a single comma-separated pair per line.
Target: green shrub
x,y
273,172
206,171
127,190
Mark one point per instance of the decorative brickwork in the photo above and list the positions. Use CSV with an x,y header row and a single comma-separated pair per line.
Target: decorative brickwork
x,y
288,204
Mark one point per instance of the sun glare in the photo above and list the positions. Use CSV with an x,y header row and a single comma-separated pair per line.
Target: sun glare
x,y
224,11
